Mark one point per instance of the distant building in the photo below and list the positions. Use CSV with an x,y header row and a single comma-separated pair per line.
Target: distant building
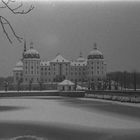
x,y
31,69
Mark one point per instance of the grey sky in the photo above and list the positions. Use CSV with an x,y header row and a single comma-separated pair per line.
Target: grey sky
x,y
69,28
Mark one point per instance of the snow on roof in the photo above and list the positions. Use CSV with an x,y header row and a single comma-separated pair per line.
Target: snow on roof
x,y
31,51
80,88
18,69
81,59
66,82
75,63
60,58
19,64
45,63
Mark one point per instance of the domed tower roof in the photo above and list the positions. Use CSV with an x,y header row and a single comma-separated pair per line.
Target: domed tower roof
x,y
31,53
19,66
95,53
80,58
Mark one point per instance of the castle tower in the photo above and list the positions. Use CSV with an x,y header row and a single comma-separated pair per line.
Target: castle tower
x,y
96,67
31,65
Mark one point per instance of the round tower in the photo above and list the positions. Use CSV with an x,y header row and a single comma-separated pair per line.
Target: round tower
x,y
96,67
31,65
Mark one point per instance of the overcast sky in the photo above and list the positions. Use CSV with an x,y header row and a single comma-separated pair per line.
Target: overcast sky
x,y
71,27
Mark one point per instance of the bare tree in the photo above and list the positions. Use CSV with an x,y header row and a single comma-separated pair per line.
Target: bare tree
x,y
135,80
16,8
40,82
19,83
30,84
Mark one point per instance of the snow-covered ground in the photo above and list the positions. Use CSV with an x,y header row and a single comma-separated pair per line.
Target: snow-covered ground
x,y
79,113
50,111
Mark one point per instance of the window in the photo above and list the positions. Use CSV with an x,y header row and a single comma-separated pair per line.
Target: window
x,y
63,88
69,87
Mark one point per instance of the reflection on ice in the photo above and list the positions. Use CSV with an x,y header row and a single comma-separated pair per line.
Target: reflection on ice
x,y
27,137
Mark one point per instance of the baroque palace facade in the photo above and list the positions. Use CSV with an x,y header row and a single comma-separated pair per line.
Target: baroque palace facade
x,y
32,69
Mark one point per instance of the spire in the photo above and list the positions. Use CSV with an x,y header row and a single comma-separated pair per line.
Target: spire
x,y
81,55
57,54
24,45
31,45
24,49
95,46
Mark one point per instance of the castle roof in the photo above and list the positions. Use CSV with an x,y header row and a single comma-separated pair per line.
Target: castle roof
x,y
59,58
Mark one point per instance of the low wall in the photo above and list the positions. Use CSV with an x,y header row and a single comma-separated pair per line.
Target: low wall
x,y
122,96
28,93
72,93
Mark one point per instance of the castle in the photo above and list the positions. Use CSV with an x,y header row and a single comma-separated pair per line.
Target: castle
x,y
32,69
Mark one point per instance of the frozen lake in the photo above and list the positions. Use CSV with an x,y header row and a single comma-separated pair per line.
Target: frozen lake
x,y
68,118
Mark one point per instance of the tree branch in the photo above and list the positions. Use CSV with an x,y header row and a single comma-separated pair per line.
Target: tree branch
x,y
5,21
6,3
18,7
14,10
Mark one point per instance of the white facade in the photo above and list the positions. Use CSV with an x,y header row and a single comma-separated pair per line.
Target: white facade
x,y
32,69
